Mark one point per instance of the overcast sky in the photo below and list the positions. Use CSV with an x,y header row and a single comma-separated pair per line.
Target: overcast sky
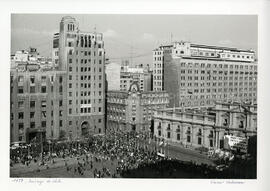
x,y
137,35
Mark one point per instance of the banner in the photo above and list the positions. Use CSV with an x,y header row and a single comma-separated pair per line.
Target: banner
x,y
235,143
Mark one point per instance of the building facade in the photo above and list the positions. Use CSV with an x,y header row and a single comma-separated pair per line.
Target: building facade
x,y
82,56
64,99
129,75
37,103
200,75
133,110
205,127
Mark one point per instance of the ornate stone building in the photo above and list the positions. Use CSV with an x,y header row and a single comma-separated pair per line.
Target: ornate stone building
x,y
205,127
133,110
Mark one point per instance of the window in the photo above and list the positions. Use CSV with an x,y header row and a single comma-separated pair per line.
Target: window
x,y
32,125
20,115
32,115
20,104
43,89
21,126
61,89
43,114
70,111
211,142
20,89
168,135
60,103
32,79
188,138
99,109
178,137
70,52
60,113
199,140
32,89
43,104
32,104
60,79
60,123
43,124
241,125
159,133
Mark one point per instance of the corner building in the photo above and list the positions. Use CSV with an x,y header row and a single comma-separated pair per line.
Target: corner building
x,y
37,103
133,110
82,56
198,75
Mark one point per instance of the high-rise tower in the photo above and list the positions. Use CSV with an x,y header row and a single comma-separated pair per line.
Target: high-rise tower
x,y
82,56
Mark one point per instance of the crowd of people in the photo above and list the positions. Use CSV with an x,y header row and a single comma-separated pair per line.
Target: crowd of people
x,y
113,155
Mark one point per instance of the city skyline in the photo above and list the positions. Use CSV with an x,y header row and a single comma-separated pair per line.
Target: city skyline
x,y
132,36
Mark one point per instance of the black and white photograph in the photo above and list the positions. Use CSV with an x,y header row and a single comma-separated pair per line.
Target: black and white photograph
x,y
113,96
135,95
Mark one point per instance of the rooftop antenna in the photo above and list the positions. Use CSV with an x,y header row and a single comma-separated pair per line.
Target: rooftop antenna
x,y
95,28
131,55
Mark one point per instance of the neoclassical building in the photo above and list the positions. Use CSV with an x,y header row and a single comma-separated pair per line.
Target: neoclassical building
x,y
133,110
205,127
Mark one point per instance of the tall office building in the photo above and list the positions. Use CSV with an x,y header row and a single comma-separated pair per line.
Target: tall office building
x,y
82,56
199,75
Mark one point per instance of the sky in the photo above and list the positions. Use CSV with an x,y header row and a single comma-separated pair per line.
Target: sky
x,y
135,36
